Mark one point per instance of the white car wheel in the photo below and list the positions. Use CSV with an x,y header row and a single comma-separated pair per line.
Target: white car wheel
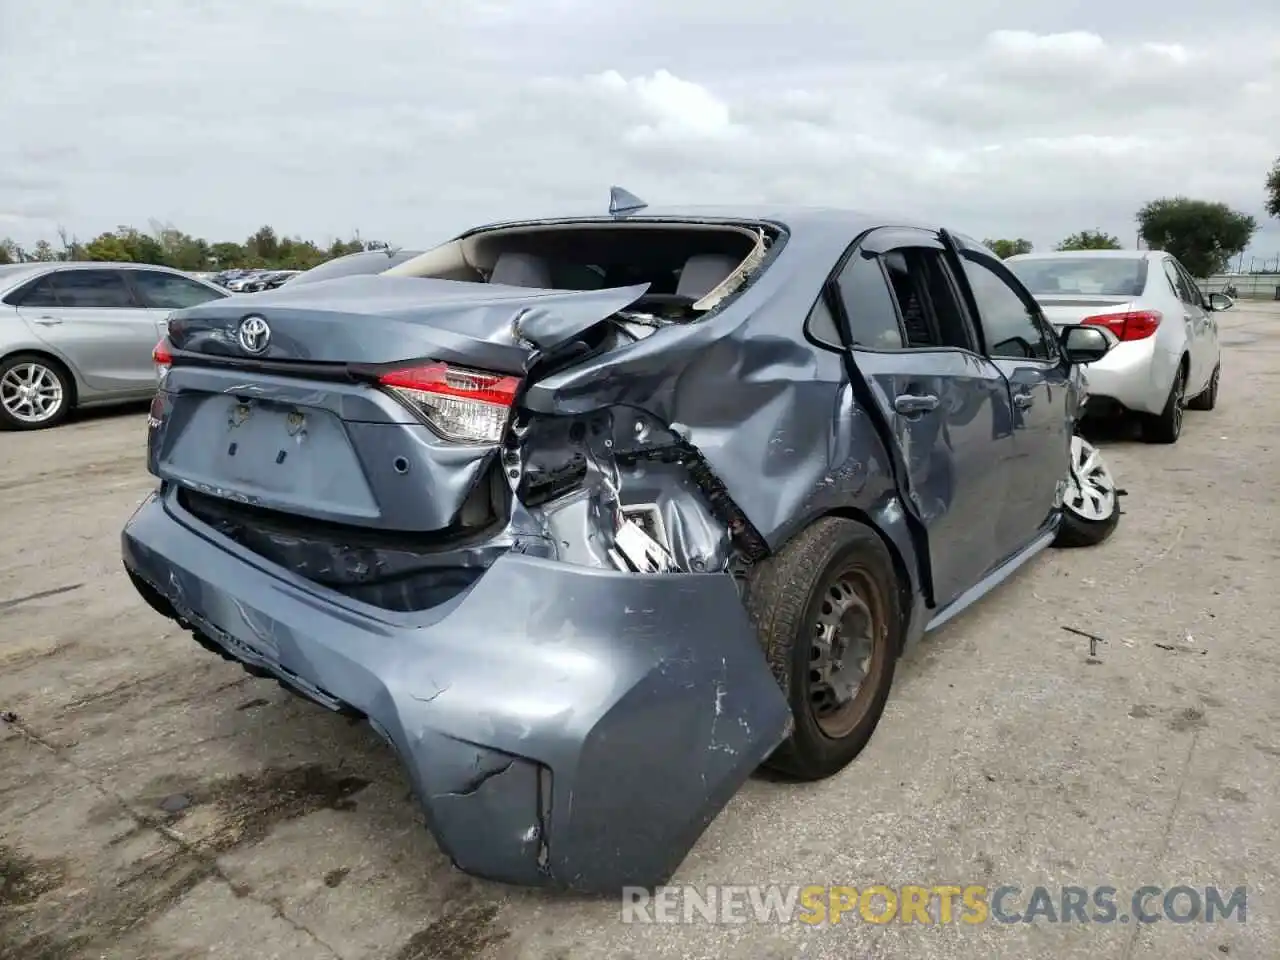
x,y
1091,493
33,393
1090,508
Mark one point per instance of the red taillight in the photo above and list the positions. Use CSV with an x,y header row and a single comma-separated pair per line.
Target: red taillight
x,y
467,405
162,358
1134,325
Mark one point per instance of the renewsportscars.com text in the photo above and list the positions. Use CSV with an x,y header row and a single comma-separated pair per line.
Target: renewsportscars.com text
x,y
933,904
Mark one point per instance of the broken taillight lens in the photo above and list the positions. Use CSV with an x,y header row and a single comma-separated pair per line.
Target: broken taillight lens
x,y
466,405
1133,325
162,357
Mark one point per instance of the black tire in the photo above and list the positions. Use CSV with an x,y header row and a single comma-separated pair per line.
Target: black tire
x,y
1166,426
1076,531
785,599
1208,398
8,421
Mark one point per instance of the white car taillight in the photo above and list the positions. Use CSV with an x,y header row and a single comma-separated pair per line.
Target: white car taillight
x,y
470,406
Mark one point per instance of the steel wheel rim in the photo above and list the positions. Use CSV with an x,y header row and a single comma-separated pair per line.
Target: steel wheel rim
x,y
1091,492
31,392
844,650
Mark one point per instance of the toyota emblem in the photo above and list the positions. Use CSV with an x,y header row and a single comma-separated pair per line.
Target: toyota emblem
x,y
254,334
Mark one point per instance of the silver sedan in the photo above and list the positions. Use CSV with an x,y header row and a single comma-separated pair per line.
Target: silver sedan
x,y
1167,358
81,335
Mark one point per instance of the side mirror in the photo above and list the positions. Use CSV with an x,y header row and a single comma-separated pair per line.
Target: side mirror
x,y
1220,301
1084,344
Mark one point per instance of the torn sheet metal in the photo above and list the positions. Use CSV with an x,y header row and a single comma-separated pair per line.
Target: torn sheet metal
x,y
385,319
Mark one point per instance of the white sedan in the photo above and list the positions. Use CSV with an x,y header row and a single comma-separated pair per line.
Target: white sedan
x,y
1167,358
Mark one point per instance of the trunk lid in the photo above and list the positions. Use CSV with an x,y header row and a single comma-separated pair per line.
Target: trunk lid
x,y
1063,310
302,428
384,319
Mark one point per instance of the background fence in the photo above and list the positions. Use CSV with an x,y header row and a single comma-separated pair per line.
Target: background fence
x,y
1251,286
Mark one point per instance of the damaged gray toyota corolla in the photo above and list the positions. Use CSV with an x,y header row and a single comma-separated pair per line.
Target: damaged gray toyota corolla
x,y
591,517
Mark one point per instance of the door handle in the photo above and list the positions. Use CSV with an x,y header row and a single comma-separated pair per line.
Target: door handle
x,y
48,321
1023,400
910,403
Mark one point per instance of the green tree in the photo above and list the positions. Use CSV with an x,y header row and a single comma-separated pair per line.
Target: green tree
x,y
1090,240
181,250
1204,236
167,245
107,247
263,247
1004,249
1273,190
226,255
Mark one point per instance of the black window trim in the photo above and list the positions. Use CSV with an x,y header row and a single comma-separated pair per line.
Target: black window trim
x,y
927,239
144,302
1192,287
831,298
1167,264
1038,320
1185,277
18,296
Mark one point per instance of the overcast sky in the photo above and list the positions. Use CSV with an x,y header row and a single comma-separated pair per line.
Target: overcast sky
x,y
411,120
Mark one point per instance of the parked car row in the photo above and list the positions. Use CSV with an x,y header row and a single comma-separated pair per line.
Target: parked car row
x,y
589,517
253,281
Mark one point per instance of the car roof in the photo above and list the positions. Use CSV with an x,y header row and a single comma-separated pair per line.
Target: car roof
x,y
37,266
794,217
1089,254
14,274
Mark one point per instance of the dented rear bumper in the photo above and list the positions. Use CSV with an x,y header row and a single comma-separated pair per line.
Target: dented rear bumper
x,y
561,725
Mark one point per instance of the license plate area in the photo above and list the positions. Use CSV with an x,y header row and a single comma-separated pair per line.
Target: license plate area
x,y
273,454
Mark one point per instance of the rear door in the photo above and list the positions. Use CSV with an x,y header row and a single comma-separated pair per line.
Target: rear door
x,y
1194,320
947,405
1020,341
1204,348
92,316
161,292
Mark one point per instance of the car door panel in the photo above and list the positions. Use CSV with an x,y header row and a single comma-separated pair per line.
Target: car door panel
x,y
1020,343
1205,336
950,447
946,408
94,322
1192,317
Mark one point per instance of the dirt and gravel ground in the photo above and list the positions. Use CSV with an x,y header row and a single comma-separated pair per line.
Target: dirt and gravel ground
x,y
156,802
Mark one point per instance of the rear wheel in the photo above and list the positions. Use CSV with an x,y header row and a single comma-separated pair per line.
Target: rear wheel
x,y
1208,399
826,610
35,392
1090,509
1166,426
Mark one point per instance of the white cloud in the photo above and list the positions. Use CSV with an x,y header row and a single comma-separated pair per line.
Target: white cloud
x,y
411,121
672,109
